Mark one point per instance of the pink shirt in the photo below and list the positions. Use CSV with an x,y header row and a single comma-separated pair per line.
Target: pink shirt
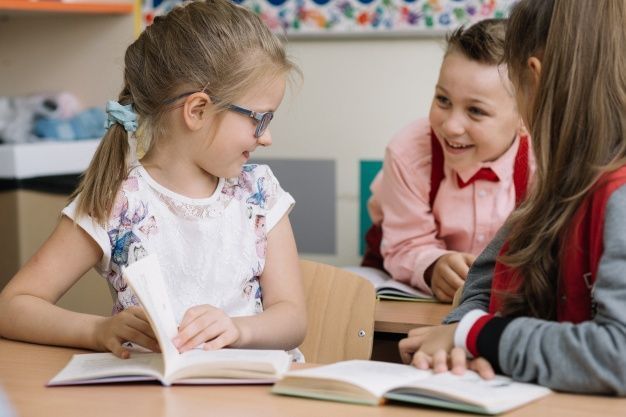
x,y
461,220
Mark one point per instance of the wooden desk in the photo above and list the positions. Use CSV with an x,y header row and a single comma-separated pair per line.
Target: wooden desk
x,y
25,369
393,320
402,316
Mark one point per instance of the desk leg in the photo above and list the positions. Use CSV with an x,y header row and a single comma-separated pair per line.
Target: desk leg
x,y
385,347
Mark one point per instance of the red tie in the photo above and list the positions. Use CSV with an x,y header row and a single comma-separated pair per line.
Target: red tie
x,y
486,174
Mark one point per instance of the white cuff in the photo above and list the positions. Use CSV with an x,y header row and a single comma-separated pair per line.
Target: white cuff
x,y
464,327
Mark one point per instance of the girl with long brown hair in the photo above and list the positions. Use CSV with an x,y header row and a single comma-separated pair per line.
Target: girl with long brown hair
x,y
546,300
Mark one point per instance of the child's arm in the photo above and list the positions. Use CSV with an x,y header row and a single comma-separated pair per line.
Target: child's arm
x,y
410,244
589,357
476,296
282,324
283,321
477,288
27,310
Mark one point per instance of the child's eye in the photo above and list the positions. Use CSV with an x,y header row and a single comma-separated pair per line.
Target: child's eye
x,y
475,111
442,100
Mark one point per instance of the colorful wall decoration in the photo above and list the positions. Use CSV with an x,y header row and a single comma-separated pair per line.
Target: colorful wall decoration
x,y
359,17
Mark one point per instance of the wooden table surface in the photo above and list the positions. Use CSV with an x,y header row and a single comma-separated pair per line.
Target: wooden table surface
x,y
25,369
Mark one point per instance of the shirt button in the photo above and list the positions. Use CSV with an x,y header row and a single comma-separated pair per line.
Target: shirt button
x,y
482,193
480,238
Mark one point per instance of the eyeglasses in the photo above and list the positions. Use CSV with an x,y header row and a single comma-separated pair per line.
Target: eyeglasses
x,y
262,119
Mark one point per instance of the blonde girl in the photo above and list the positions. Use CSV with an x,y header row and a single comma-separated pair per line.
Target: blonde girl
x,y
201,85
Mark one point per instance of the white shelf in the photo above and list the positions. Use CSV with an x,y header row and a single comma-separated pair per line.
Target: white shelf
x,y
45,158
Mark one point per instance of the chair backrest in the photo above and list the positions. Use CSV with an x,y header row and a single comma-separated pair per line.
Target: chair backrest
x,y
340,307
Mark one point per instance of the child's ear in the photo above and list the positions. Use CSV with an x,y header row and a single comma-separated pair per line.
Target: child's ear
x,y
195,110
534,64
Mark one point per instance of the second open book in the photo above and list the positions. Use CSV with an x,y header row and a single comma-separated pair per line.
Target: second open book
x,y
196,366
373,383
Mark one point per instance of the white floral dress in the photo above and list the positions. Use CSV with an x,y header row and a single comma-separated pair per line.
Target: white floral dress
x,y
211,250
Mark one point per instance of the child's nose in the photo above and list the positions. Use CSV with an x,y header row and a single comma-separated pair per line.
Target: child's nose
x,y
453,125
266,138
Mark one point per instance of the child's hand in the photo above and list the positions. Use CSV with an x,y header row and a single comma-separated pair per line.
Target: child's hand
x,y
424,344
449,273
433,347
130,325
207,326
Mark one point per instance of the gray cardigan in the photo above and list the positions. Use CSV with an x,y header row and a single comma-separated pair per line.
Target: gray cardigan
x,y
588,357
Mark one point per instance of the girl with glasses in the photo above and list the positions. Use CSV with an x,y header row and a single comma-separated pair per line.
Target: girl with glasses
x,y
201,85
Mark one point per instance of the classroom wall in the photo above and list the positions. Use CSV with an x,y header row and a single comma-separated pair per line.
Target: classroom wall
x,y
79,53
356,93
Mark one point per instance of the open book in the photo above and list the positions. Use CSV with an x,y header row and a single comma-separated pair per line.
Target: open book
x,y
196,366
373,383
388,288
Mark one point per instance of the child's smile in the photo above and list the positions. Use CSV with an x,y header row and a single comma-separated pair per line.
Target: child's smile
x,y
473,114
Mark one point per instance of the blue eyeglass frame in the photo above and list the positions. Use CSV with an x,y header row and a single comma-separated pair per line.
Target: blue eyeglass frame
x,y
262,119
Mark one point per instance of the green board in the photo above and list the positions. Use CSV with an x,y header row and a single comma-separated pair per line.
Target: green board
x,y
367,172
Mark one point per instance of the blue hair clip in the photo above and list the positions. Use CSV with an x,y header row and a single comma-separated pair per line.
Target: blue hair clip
x,y
124,115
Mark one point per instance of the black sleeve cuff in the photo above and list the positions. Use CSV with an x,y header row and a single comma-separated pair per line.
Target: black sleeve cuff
x,y
488,341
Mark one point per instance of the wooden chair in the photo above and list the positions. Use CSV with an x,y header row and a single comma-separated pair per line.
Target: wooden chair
x,y
340,308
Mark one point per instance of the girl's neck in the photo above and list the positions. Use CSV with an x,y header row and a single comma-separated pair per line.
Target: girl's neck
x,y
174,171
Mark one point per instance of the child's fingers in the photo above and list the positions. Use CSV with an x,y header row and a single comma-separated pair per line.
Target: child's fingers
x,y
409,346
130,334
460,268
441,287
458,361
201,333
440,361
469,258
115,347
421,360
140,324
483,368
453,282
220,341
194,313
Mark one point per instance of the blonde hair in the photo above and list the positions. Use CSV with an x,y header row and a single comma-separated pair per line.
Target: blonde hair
x,y
578,126
213,46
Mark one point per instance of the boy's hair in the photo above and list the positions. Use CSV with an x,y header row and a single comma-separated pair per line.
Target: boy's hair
x,y
482,42
578,126
213,46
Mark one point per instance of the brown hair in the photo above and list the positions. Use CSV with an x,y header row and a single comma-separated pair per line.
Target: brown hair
x,y
213,45
482,42
578,124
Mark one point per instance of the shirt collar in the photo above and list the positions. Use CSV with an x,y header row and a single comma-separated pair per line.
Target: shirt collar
x,y
503,166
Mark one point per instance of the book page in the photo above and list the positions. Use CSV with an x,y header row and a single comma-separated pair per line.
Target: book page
x,y
232,363
145,279
375,377
386,287
106,367
494,395
395,288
